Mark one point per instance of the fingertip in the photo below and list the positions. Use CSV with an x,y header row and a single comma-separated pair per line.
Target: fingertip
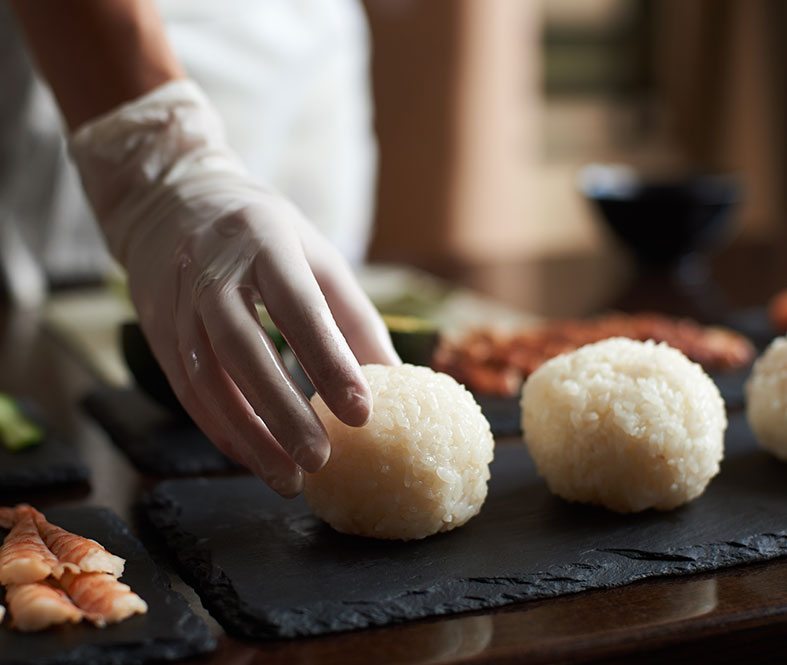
x,y
288,487
312,457
358,411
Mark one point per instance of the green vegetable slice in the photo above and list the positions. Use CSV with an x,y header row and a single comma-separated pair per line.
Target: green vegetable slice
x,y
414,338
17,432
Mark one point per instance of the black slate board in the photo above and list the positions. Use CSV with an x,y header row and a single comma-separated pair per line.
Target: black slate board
x,y
50,464
155,440
169,631
266,568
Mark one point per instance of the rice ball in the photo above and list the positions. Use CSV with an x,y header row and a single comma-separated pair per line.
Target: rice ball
x,y
624,424
766,398
419,466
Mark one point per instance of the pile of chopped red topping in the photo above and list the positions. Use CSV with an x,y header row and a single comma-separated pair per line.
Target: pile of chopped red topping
x,y
494,362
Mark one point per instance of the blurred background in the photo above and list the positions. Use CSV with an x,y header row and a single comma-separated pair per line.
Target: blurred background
x,y
485,112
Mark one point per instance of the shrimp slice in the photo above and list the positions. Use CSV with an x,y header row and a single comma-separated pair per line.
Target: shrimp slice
x,y
87,555
37,606
7,517
2,613
102,598
24,558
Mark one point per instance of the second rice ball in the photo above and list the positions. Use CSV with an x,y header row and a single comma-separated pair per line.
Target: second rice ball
x,y
624,424
418,467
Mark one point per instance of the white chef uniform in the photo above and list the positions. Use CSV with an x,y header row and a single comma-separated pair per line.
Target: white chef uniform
x,y
290,79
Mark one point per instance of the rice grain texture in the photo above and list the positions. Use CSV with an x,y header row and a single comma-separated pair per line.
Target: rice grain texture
x,y
418,467
766,398
624,424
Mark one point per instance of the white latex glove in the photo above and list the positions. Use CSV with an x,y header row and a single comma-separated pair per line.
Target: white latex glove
x,y
202,242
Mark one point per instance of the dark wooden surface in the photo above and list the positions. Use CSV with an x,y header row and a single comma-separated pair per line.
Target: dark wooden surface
x,y
724,617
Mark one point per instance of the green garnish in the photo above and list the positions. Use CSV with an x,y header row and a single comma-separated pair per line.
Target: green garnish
x,y
414,338
17,431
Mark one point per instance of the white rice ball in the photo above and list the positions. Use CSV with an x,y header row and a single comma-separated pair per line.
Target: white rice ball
x,y
766,398
419,466
624,424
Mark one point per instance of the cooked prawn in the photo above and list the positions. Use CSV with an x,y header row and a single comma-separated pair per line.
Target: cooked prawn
x,y
24,558
88,555
102,598
37,606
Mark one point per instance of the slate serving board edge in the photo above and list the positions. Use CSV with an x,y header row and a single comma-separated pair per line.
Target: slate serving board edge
x,y
604,569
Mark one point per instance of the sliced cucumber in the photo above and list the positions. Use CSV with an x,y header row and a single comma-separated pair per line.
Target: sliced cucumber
x,y
17,431
414,338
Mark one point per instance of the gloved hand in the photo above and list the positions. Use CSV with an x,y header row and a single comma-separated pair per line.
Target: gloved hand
x,y
201,243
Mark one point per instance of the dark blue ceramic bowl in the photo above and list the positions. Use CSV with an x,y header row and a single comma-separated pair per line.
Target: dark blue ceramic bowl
x,y
662,221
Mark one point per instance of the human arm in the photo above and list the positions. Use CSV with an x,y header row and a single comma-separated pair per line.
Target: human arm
x,y
96,54
202,241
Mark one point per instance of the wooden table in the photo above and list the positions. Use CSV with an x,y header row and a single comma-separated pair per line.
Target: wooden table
x,y
723,617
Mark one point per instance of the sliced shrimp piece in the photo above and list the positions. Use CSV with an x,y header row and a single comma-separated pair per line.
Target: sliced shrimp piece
x,y
102,598
2,613
38,606
88,555
7,517
24,558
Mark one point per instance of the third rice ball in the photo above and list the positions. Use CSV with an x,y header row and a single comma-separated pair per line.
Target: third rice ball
x,y
419,466
766,398
624,424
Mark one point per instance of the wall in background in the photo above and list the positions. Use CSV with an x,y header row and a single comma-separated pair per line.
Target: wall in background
x,y
485,111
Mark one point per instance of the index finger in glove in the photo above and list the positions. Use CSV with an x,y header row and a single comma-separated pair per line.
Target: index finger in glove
x,y
355,314
299,310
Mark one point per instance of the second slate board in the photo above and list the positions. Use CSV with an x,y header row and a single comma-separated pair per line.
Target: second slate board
x,y
50,464
266,568
155,440
169,631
